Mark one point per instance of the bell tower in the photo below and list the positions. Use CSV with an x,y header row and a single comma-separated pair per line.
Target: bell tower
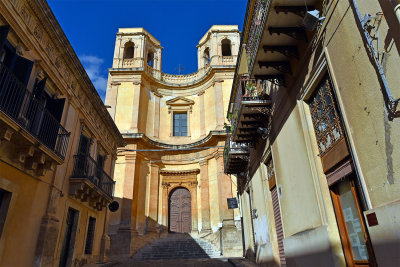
x,y
219,46
136,48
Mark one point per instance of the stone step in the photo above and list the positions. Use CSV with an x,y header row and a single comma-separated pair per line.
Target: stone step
x,y
176,246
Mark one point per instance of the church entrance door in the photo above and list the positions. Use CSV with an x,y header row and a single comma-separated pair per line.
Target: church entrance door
x,y
180,215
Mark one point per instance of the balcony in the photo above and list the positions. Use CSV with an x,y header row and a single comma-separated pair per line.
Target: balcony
x,y
90,183
251,109
32,138
236,156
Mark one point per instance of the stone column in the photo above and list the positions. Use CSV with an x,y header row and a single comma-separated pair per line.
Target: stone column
x,y
205,197
135,107
153,197
165,187
219,104
203,129
156,129
193,195
224,190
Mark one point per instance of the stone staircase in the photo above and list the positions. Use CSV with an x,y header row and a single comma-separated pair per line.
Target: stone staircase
x,y
177,246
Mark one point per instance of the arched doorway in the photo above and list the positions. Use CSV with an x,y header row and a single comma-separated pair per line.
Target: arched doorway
x,y
179,207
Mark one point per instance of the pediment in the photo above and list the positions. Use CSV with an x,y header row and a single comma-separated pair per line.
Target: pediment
x,y
180,101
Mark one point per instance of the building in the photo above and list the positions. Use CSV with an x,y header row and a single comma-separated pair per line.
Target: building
x,y
314,141
170,174
58,145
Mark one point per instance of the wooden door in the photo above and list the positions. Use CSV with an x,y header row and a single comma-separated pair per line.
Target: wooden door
x,y
180,215
352,228
67,249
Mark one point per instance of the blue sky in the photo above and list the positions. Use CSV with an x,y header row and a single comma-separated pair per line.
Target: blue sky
x,y
91,25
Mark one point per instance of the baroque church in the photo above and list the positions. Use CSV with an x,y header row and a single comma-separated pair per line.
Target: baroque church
x,y
170,175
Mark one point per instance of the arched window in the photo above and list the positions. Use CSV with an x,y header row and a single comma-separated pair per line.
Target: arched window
x,y
129,50
206,56
150,58
226,48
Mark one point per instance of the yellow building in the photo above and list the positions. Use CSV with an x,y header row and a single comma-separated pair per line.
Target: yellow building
x,y
58,145
174,129
315,132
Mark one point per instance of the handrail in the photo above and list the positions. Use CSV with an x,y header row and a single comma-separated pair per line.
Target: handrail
x,y
26,110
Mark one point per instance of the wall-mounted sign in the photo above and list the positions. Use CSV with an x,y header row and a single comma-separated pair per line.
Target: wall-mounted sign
x,y
232,203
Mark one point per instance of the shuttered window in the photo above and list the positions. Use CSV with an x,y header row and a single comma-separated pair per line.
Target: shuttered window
x,y
180,124
90,235
277,211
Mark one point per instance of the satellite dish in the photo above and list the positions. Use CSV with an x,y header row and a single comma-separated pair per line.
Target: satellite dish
x,y
113,206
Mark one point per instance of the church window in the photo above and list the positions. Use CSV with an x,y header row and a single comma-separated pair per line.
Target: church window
x,y
207,56
180,124
226,48
90,235
325,117
129,50
150,59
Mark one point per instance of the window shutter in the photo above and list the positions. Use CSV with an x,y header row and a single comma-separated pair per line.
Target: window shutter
x,y
39,88
3,35
56,107
22,69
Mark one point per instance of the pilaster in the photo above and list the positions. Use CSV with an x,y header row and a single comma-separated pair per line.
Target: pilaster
x,y
224,190
204,196
135,106
203,130
219,104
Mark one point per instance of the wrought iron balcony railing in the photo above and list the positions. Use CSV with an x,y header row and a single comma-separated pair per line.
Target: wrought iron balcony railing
x,y
87,168
236,156
20,105
256,29
250,110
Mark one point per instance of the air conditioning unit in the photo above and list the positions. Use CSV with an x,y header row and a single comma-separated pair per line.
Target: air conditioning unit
x,y
311,20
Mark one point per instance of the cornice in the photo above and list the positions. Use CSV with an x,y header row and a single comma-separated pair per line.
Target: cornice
x,y
61,55
140,137
179,172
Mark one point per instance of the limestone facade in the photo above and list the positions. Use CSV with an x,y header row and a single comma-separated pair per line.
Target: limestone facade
x,y
318,176
53,197
145,104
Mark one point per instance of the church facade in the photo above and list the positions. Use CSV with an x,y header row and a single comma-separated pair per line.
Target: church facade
x,y
170,176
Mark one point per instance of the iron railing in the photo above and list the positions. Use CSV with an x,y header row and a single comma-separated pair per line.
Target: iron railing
x,y
21,105
256,30
234,148
86,167
248,90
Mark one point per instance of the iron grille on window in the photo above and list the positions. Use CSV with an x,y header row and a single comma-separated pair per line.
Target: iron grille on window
x,y
270,168
180,124
325,117
90,236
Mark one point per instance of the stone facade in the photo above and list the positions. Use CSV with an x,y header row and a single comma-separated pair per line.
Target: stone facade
x,y
47,102
143,102
319,187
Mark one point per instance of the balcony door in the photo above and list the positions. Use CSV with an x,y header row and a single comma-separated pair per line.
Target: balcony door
x,y
341,176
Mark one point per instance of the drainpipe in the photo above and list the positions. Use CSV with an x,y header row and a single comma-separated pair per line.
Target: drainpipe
x,y
392,102
397,9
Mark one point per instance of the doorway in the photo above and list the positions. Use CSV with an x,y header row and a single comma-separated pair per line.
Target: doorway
x,y
180,211
353,231
67,250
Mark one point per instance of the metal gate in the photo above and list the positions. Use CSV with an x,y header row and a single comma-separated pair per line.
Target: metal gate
x,y
180,215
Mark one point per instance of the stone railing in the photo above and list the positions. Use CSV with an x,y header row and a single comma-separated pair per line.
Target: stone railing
x,y
132,63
